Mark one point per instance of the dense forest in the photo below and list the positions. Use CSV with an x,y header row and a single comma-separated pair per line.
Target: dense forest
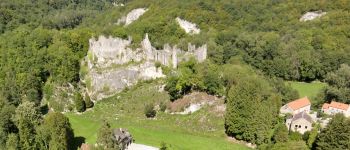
x,y
253,47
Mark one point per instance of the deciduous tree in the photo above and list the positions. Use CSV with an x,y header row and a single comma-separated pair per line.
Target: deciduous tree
x,y
27,118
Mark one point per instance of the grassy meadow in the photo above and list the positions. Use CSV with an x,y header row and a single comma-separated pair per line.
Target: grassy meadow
x,y
307,89
203,129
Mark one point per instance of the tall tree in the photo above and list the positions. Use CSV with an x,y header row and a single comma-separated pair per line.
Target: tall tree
x,y
339,85
251,110
6,124
280,134
312,136
79,102
27,118
12,142
336,135
105,137
55,132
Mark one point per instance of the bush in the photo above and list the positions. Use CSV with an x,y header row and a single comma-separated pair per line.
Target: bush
x,y
295,136
162,106
149,111
163,146
79,102
157,64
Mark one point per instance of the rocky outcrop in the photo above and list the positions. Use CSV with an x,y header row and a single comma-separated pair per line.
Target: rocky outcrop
x,y
132,16
189,27
312,15
109,82
171,56
108,51
113,65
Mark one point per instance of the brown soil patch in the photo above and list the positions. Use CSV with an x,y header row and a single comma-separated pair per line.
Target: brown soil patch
x,y
192,98
250,145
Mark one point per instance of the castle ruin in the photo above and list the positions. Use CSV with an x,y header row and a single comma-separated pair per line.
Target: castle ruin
x,y
114,65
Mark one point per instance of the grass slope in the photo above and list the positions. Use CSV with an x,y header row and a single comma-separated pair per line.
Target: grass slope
x,y
201,130
307,89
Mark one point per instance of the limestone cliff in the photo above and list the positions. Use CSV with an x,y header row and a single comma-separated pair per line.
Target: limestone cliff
x,y
312,15
113,65
132,16
189,27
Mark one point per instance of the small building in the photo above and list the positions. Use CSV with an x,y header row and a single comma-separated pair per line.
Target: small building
x,y
336,107
300,122
296,106
122,137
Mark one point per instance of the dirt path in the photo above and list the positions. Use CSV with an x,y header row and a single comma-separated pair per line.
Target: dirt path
x,y
135,146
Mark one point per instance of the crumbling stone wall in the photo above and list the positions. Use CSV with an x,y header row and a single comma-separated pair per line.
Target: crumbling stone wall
x,y
168,56
114,65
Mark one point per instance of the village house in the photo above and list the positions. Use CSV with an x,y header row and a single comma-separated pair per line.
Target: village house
x,y
300,122
123,137
336,107
296,106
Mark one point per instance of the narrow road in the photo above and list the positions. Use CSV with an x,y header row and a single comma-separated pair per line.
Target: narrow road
x,y
135,146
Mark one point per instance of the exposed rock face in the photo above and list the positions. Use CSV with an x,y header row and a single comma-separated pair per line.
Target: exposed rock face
x,y
108,51
171,56
189,27
118,4
312,15
132,16
113,65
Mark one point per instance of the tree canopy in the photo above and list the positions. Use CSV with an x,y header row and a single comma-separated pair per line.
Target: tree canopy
x,y
251,110
336,135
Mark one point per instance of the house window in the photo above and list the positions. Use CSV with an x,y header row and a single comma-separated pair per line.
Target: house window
x,y
305,127
299,126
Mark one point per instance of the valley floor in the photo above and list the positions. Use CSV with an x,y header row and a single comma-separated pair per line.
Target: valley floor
x,y
203,129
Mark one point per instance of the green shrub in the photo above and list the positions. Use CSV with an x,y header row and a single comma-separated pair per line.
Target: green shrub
x,y
162,106
55,105
163,146
295,136
79,102
157,64
149,111
48,90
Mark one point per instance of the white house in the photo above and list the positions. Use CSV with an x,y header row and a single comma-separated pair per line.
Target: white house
x,y
296,106
300,122
336,107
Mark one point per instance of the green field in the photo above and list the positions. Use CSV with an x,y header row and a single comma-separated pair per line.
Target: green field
x,y
307,89
201,130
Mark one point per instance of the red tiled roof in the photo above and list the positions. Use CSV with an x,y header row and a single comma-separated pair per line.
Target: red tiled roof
x,y
337,105
325,106
299,103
